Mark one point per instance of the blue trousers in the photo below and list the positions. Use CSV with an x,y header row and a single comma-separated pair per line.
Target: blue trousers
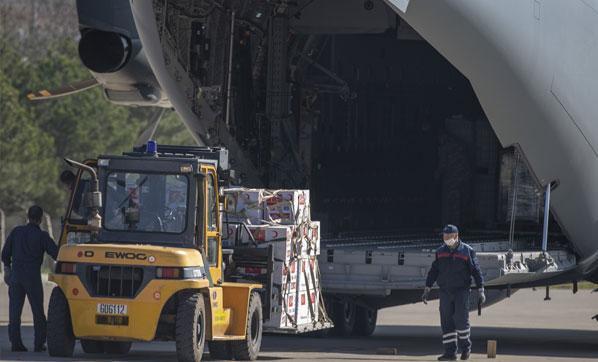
x,y
17,290
454,320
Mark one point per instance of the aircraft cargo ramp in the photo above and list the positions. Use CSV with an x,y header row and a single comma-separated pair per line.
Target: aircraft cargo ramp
x,y
385,270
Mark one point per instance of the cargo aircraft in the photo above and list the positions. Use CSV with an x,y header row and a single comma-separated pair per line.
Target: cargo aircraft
x,y
398,114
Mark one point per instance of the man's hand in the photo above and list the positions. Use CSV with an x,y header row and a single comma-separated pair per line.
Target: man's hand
x,y
425,295
7,275
482,296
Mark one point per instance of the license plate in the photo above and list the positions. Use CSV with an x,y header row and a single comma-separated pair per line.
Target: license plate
x,y
112,309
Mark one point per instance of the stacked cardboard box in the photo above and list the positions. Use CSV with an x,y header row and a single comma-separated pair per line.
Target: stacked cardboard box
x,y
281,219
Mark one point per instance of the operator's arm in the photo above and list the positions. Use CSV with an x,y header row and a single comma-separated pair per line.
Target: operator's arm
x,y
49,246
474,266
7,250
432,273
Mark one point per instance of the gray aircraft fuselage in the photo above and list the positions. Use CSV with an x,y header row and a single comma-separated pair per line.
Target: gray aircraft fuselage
x,y
534,68
533,65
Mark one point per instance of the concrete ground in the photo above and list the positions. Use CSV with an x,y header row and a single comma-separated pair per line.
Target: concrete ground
x,y
526,327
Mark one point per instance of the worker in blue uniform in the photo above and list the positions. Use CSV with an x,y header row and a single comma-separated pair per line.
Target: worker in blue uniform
x,y
454,266
22,255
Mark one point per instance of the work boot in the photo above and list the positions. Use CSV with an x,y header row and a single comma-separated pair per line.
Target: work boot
x,y
18,348
41,348
465,355
448,357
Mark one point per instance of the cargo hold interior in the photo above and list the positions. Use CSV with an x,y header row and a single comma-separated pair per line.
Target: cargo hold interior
x,y
388,136
411,149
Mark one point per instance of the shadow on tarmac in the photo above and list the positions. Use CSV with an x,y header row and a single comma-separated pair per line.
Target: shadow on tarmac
x,y
415,341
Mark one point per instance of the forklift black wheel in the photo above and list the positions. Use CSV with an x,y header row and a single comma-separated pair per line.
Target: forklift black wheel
x,y
117,347
190,327
61,340
249,348
365,321
343,317
90,346
220,350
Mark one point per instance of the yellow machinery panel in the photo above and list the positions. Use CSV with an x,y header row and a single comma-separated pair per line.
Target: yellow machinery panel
x,y
236,297
123,254
220,317
143,311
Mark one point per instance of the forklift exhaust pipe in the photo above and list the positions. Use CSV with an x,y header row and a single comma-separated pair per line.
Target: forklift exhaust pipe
x,y
94,197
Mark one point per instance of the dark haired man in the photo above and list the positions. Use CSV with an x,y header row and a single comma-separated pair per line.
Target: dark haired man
x,y
22,255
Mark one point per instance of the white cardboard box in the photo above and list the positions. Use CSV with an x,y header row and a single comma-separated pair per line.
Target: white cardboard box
x,y
289,240
295,308
244,205
287,207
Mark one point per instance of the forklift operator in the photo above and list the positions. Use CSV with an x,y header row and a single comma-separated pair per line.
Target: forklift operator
x,y
453,268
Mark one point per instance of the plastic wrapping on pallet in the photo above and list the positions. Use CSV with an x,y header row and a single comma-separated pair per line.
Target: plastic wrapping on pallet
x,y
297,300
287,207
280,219
286,240
256,206
289,240
285,274
298,309
244,205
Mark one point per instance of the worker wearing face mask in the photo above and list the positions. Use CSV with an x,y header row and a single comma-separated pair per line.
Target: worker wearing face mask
x,y
453,268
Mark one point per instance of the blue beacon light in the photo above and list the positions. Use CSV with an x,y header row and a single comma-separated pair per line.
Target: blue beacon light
x,y
152,147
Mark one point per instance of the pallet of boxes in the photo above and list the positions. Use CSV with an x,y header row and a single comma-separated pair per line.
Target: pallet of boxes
x,y
280,219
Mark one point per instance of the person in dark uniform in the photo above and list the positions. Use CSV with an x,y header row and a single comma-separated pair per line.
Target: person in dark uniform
x,y
453,268
22,255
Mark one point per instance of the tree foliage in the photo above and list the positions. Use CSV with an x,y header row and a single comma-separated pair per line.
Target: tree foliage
x,y
35,137
25,164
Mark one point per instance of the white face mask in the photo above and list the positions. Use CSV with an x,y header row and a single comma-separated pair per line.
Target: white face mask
x,y
451,242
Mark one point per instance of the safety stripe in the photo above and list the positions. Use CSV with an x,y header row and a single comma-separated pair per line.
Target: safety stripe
x,y
454,340
463,331
454,255
449,335
464,337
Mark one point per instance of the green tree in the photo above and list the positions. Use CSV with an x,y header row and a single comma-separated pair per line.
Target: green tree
x,y
26,153
35,137
172,131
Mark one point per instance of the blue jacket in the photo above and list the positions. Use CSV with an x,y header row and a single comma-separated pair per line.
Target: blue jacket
x,y
454,268
24,249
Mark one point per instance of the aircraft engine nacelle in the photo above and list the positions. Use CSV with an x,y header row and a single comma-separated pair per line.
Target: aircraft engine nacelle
x,y
104,51
111,49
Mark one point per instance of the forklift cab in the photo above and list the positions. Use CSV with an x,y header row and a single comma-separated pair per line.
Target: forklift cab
x,y
171,201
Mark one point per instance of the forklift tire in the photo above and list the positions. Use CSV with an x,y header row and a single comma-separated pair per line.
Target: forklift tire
x,y
249,348
343,317
61,340
220,350
365,321
117,347
90,346
190,328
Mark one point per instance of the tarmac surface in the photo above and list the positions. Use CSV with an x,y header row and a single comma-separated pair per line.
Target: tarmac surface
x,y
526,327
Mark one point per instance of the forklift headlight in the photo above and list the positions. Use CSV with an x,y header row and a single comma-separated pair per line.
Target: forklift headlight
x,y
193,273
179,273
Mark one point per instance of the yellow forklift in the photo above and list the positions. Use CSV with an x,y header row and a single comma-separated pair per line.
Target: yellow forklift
x,y
141,260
